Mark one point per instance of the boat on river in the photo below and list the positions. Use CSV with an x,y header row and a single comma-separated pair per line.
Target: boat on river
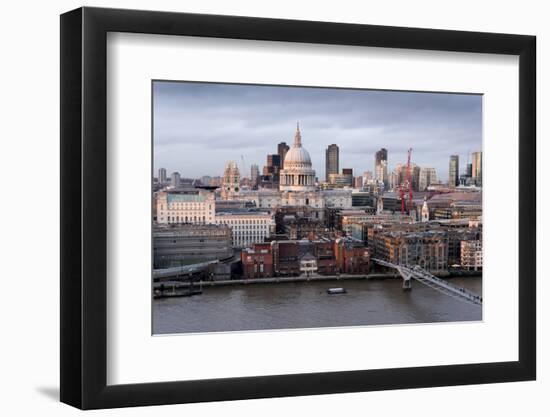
x,y
338,290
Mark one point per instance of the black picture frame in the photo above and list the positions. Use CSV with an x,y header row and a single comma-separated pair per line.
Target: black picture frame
x,y
84,207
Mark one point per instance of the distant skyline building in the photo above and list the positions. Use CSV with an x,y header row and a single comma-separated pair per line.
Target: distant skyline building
x,y
477,164
282,149
175,179
162,175
367,177
254,175
428,176
358,182
393,180
270,174
345,179
340,180
332,161
453,171
381,166
347,171
415,177
231,178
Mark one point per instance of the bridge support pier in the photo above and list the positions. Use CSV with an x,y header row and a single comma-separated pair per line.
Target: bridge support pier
x,y
407,281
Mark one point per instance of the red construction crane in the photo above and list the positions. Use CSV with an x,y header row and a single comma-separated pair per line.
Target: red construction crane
x,y
406,184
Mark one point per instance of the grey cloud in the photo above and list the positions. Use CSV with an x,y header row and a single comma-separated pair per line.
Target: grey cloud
x,y
199,126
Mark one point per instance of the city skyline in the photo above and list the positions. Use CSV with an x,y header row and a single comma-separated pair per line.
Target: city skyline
x,y
214,123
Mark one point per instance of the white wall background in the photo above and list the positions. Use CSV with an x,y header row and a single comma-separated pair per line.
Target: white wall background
x,y
29,207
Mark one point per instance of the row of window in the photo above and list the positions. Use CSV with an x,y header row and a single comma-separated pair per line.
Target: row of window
x,y
244,222
186,206
238,233
185,219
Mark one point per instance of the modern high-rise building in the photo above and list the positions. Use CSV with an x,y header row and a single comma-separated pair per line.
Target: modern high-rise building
x,y
274,160
175,181
453,171
358,182
270,177
427,176
254,175
393,180
332,160
415,177
162,176
477,168
381,166
282,149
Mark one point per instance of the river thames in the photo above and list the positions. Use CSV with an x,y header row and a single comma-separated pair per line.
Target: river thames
x,y
307,305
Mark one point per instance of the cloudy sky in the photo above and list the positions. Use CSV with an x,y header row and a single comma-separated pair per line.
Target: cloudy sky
x,y
200,126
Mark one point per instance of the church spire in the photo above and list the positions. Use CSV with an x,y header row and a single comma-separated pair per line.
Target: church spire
x,y
298,137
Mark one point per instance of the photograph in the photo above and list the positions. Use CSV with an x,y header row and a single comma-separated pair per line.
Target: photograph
x,y
278,207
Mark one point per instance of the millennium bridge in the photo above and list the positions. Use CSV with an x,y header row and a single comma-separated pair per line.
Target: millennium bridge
x,y
409,272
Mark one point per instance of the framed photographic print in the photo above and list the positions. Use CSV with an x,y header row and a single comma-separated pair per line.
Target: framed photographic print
x,y
258,207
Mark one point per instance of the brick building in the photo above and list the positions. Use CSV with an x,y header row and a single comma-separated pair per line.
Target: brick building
x,y
257,261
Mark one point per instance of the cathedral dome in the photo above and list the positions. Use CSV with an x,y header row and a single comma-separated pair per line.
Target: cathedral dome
x,y
297,155
297,173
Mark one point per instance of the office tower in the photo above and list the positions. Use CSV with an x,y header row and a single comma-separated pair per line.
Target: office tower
x,y
254,175
270,177
427,176
381,166
393,180
453,171
332,156
477,168
162,175
282,149
415,177
274,161
175,180
358,182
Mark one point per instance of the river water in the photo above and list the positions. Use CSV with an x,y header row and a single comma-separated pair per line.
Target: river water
x,y
307,305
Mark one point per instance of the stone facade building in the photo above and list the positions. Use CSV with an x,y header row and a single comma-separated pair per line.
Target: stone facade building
x,y
192,206
247,226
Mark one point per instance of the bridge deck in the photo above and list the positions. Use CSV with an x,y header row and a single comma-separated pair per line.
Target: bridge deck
x,y
438,284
